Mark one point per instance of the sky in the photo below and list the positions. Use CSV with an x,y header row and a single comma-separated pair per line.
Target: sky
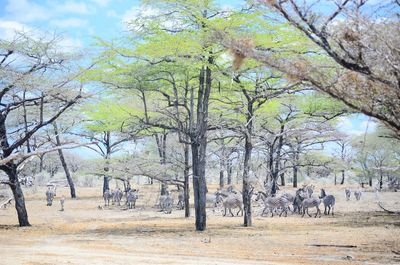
x,y
79,22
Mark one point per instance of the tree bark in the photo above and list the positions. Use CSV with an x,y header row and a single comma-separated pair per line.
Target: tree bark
x,y
186,191
229,172
199,147
11,171
342,181
282,179
295,176
63,163
248,147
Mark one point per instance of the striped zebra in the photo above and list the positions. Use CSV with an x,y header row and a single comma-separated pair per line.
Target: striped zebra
x,y
50,194
328,200
357,194
230,200
107,196
273,203
131,197
309,203
347,191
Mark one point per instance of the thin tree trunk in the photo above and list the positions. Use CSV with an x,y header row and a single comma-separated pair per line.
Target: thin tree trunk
x,y
248,148
295,176
63,163
342,181
229,171
11,171
246,189
335,179
282,179
186,181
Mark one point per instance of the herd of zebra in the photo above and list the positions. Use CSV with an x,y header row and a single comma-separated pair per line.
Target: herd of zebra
x,y
231,198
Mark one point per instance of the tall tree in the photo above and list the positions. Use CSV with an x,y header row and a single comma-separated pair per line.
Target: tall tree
x,y
36,83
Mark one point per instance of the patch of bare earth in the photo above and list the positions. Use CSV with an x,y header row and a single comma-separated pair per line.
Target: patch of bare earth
x,y
83,234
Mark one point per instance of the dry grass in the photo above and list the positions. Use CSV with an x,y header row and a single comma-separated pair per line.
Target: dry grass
x,y
83,234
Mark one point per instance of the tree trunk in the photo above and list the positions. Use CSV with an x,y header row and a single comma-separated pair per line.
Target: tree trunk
x,y
342,181
186,190
246,189
63,163
295,176
199,147
11,171
335,180
229,171
106,184
370,180
282,179
381,179
221,178
199,187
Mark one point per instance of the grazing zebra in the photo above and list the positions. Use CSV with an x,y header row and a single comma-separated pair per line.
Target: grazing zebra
x,y
311,202
328,200
107,196
131,197
357,194
50,194
273,203
166,203
229,201
347,191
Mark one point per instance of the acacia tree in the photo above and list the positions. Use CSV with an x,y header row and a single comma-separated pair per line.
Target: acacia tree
x,y
36,89
180,32
358,58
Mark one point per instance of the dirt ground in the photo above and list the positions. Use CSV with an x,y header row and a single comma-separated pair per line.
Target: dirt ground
x,y
85,234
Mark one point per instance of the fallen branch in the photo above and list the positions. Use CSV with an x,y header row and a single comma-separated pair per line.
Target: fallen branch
x,y
332,245
386,210
21,155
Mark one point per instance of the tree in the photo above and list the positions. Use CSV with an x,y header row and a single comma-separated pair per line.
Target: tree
x,y
37,87
357,60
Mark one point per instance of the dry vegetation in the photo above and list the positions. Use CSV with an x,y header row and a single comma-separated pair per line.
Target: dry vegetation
x,y
84,234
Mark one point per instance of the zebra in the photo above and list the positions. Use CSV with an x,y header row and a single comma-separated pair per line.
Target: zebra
x,y
298,199
107,196
347,191
229,201
311,202
273,203
357,194
308,190
131,197
50,194
181,201
117,196
328,200
166,203
62,200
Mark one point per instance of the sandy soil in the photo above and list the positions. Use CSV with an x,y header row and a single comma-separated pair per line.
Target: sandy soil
x,y
84,234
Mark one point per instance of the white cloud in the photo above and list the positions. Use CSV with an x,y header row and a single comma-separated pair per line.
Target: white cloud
x,y
101,3
69,23
22,10
71,44
9,27
73,7
28,11
350,126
